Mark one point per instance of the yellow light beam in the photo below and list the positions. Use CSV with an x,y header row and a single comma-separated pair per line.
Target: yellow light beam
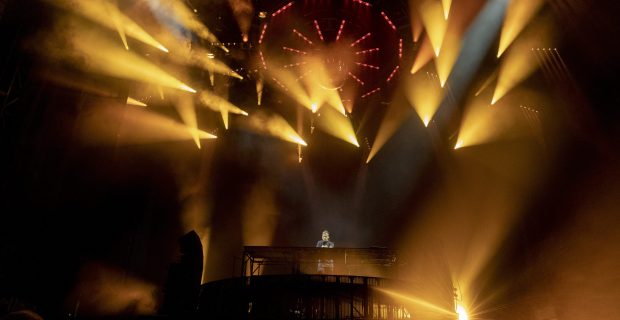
x,y
334,123
95,52
424,95
447,58
393,119
518,63
432,15
273,125
111,124
487,83
92,10
446,8
518,15
293,88
187,110
482,123
219,104
117,23
425,55
135,102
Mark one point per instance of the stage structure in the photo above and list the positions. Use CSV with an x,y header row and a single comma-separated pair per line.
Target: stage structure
x,y
283,283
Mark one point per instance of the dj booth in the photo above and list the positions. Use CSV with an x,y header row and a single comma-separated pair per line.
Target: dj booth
x,y
375,262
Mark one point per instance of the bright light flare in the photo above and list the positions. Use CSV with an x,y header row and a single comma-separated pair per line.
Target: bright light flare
x,y
518,63
432,15
114,19
518,15
460,310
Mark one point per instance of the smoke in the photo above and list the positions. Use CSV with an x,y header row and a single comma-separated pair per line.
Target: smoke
x,y
104,290
260,216
243,11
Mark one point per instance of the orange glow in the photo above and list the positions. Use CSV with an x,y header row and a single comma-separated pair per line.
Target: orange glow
x,y
518,15
259,217
105,291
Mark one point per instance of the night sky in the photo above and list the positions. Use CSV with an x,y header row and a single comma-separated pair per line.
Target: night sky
x,y
527,225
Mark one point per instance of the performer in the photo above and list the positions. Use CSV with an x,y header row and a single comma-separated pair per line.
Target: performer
x,y
325,243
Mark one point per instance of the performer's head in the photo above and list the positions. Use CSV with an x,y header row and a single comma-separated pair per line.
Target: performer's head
x,y
325,235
